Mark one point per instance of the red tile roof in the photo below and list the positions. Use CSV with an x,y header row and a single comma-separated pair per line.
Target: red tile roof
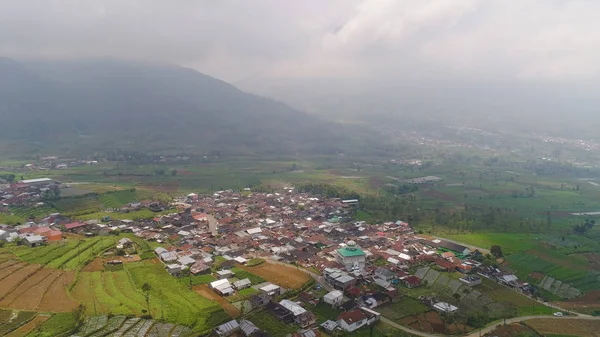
x,y
74,225
352,316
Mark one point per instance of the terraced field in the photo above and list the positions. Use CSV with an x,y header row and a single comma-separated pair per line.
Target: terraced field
x,y
120,326
110,292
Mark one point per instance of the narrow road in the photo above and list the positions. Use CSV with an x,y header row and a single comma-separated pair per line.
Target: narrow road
x,y
212,224
483,331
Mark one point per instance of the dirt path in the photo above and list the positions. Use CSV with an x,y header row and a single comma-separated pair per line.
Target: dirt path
x,y
204,291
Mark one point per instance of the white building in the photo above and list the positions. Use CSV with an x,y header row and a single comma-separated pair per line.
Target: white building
x,y
351,256
334,298
445,308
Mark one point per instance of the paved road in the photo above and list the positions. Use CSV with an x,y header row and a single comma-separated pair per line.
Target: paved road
x,y
483,331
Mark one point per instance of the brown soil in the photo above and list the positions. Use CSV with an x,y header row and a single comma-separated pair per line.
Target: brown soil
x,y
204,291
95,265
589,301
165,187
593,259
14,279
537,275
26,296
415,326
510,330
25,329
573,327
433,317
56,299
10,269
407,320
458,328
284,276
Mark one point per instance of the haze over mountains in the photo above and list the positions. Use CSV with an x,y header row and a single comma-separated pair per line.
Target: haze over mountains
x,y
119,103
499,105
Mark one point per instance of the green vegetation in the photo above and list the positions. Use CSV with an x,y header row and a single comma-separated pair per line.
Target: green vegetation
x,y
196,279
242,295
255,262
242,274
178,304
267,322
406,306
57,324
22,318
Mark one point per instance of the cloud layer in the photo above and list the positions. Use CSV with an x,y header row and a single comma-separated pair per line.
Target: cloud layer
x,y
233,39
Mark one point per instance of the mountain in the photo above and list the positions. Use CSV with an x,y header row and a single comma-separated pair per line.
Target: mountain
x,y
506,105
99,104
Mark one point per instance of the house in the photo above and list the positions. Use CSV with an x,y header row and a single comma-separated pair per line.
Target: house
x,y
242,284
411,281
240,260
223,274
259,300
249,329
200,267
271,290
352,320
471,280
186,261
377,299
174,269
445,308
307,333
74,225
227,329
351,257
53,235
334,298
282,313
302,317
329,326
34,240
222,287
168,257
453,247
159,251
385,274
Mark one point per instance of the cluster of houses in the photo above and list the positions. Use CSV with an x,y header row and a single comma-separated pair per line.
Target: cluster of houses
x,y
29,192
360,264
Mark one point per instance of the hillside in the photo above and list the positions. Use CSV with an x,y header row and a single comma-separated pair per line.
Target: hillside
x,y
95,105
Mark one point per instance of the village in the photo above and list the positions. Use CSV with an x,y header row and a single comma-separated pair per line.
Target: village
x,y
356,268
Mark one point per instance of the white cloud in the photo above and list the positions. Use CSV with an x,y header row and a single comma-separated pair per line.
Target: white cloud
x,y
528,39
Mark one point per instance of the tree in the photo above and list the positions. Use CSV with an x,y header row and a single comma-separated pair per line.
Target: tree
x,y
146,289
496,251
174,172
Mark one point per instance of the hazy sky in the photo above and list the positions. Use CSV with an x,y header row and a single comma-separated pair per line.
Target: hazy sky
x,y
534,39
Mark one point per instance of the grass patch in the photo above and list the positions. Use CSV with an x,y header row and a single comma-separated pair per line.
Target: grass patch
x,y
267,322
406,306
56,325
242,274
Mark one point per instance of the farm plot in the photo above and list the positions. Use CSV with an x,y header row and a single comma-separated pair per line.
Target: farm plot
x,y
118,198
32,212
181,305
56,325
29,292
13,280
432,322
56,299
573,327
78,205
16,321
32,325
99,294
403,308
284,276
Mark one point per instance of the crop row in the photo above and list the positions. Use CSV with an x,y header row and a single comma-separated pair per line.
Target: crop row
x,y
22,318
179,304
